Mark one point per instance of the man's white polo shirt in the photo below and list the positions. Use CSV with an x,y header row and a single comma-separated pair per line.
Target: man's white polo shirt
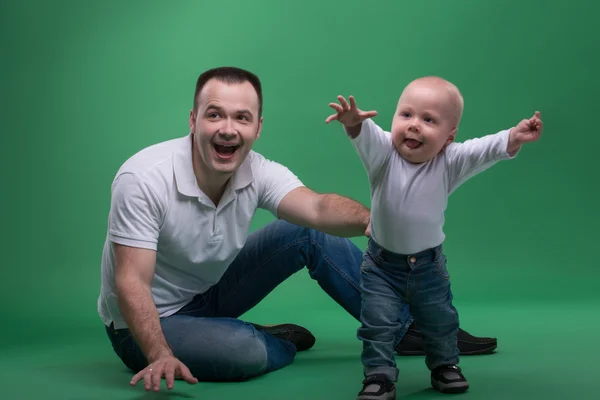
x,y
156,204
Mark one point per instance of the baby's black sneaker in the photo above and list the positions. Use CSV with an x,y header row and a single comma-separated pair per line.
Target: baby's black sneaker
x,y
449,379
377,387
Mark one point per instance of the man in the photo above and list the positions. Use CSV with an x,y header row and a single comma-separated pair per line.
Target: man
x,y
179,268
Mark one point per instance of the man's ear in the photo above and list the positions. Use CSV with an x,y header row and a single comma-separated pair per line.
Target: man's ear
x,y
192,121
259,130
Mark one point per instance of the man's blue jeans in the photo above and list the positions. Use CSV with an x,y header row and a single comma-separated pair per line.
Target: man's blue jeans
x,y
216,346
389,283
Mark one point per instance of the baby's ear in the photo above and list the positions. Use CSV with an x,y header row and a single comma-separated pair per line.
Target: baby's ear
x,y
452,136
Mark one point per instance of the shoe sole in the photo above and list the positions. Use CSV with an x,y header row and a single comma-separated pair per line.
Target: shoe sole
x,y
386,396
451,388
486,350
411,341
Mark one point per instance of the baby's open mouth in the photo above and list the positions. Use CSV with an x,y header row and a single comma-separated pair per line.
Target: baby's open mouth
x,y
412,143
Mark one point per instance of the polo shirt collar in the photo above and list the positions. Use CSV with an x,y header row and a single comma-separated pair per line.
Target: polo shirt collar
x,y
184,171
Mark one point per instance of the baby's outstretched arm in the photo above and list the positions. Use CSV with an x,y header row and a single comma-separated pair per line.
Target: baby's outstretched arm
x,y
349,115
374,145
467,159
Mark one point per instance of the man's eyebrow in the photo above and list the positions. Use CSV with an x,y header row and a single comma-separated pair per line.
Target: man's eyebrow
x,y
218,108
214,107
245,111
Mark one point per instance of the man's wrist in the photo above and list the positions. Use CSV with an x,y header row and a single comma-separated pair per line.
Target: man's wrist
x,y
158,353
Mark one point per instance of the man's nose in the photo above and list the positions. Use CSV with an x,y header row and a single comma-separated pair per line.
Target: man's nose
x,y
228,128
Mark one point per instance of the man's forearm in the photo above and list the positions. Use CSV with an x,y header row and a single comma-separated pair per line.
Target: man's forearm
x,y
139,311
341,216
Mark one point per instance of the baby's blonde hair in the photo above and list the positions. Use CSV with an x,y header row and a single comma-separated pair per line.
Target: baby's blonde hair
x,y
458,102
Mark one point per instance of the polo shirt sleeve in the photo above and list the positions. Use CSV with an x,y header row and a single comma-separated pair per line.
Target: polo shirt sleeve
x,y
374,147
471,157
274,182
135,213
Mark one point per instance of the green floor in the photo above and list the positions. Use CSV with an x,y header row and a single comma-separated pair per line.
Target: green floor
x,y
550,353
87,84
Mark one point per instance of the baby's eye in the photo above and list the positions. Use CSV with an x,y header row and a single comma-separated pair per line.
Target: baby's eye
x,y
406,114
428,119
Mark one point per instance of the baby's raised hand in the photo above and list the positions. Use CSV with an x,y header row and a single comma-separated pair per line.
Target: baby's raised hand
x,y
348,114
528,130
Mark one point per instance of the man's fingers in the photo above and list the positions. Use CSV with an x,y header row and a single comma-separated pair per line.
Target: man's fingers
x,y
137,377
171,370
157,374
148,379
170,376
187,375
147,375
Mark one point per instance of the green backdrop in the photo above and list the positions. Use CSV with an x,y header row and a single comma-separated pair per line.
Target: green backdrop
x,y
86,84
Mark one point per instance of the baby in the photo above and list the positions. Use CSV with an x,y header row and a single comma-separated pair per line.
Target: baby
x,y
412,170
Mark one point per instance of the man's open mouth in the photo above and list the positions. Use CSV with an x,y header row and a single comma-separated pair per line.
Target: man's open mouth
x,y
225,150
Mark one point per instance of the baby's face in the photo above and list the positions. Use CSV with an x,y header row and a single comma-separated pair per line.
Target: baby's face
x,y
425,121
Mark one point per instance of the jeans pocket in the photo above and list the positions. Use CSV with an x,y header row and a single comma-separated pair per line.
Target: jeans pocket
x,y
196,307
440,263
368,262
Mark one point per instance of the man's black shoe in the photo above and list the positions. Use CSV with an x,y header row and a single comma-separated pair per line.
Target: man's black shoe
x,y
412,344
301,337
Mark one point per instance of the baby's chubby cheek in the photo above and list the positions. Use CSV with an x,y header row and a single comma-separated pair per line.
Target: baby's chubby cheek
x,y
397,142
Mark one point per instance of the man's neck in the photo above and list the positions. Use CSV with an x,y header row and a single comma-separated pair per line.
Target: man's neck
x,y
212,191
212,185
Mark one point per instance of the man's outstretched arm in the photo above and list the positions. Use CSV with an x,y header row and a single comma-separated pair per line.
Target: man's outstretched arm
x,y
329,213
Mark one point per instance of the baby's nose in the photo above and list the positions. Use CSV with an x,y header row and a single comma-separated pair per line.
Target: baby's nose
x,y
413,127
